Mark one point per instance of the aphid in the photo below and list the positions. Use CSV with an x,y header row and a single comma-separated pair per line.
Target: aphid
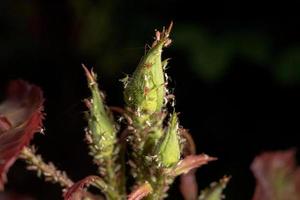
x,y
120,119
166,77
125,81
167,43
42,131
148,123
88,138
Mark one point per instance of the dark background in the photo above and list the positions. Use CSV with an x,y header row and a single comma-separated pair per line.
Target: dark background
x,y
235,68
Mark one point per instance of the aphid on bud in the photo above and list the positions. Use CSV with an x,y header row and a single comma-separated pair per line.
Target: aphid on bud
x,y
103,138
125,81
167,43
166,101
132,164
166,77
120,119
88,138
148,123
118,167
96,147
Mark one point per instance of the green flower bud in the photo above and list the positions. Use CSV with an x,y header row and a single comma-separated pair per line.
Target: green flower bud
x,y
145,90
102,131
168,150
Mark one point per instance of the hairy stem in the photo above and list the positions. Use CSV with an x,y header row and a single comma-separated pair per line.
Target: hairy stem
x,y
48,170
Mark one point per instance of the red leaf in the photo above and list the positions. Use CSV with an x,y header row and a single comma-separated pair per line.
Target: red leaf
x,y
77,191
189,163
277,176
20,117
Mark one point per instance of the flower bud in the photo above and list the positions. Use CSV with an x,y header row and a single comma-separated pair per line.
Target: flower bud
x,y
100,125
145,90
168,150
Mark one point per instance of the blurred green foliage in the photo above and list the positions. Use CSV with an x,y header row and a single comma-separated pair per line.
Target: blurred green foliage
x,y
210,55
288,66
95,35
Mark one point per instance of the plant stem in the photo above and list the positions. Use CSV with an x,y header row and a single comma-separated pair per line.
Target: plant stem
x,y
49,171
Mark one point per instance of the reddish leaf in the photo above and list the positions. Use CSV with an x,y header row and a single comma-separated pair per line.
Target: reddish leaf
x,y
189,163
140,192
20,117
78,192
277,176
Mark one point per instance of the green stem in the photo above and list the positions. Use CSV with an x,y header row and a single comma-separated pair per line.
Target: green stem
x,y
48,170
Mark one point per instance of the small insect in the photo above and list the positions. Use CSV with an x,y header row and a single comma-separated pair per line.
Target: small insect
x,y
167,43
88,138
42,131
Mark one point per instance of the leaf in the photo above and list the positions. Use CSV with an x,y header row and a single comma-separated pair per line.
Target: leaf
x,y
20,117
277,177
78,192
214,192
189,163
140,192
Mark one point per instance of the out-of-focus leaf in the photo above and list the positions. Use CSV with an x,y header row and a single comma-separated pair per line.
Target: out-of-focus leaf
x,y
214,192
288,66
78,192
20,117
209,56
277,176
